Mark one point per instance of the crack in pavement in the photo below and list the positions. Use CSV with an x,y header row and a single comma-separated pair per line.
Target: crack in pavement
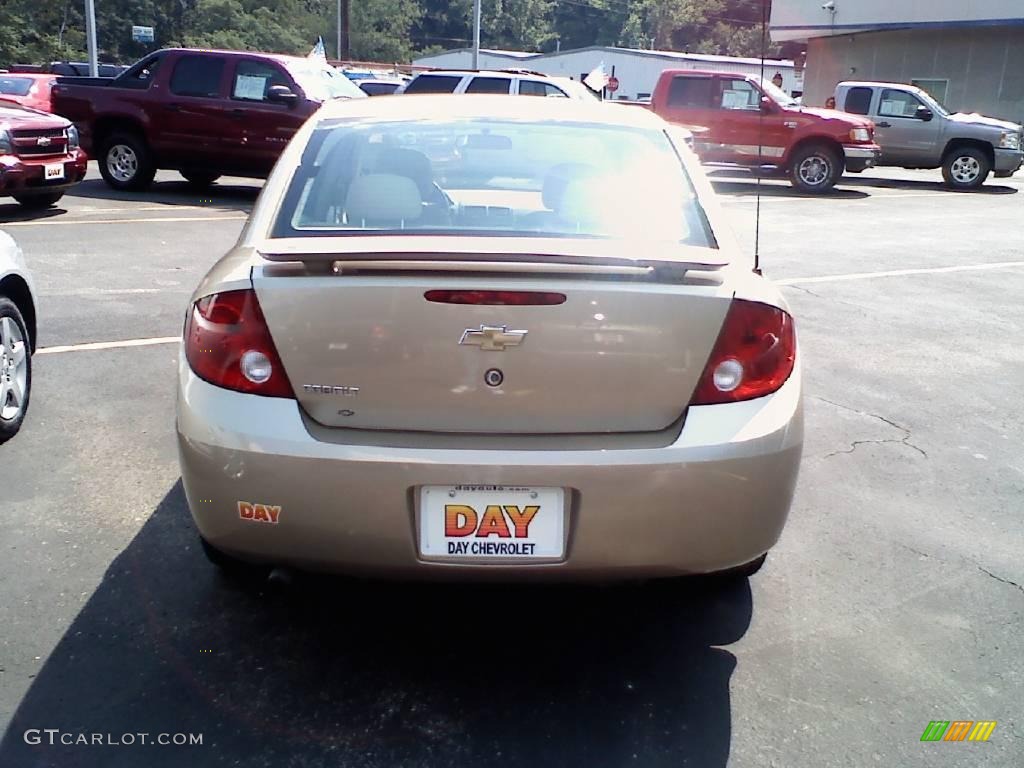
x,y
999,578
981,568
825,298
905,440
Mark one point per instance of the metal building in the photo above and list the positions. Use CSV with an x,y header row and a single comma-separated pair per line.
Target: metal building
x,y
967,54
636,69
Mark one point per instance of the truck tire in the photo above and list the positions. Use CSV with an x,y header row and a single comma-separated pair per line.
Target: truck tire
x,y
965,168
815,168
15,369
38,201
199,179
126,162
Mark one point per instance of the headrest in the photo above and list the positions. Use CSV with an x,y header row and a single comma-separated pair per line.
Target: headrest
x,y
406,162
558,179
383,199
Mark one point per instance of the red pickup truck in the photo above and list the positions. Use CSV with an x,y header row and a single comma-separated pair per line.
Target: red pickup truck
x,y
741,120
203,113
39,156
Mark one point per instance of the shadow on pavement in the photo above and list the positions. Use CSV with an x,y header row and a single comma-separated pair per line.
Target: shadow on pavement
x,y
13,211
991,187
748,188
224,194
338,672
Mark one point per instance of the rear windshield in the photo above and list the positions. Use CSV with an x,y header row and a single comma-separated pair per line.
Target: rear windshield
x,y
518,178
15,86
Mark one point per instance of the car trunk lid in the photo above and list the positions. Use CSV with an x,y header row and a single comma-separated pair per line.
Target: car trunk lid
x,y
364,347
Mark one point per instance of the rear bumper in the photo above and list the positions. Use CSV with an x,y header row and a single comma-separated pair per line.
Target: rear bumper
x,y
23,174
1008,160
716,496
859,157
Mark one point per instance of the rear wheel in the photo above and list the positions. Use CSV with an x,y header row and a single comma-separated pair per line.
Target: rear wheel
x,y
39,200
199,179
966,168
815,168
15,369
126,162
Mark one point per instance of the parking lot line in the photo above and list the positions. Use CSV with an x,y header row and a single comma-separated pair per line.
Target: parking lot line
x,y
92,345
147,220
899,273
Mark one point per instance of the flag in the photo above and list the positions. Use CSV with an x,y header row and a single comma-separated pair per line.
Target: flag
x,y
597,79
318,52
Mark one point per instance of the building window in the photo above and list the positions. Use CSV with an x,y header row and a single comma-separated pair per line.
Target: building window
x,y
935,88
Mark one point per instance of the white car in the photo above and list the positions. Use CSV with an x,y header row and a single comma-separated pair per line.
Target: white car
x,y
17,337
508,82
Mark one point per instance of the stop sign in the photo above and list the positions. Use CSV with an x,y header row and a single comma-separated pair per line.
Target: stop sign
x,y
613,84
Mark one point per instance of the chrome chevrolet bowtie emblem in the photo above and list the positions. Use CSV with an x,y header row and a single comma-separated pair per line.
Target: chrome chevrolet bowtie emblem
x,y
492,338
43,141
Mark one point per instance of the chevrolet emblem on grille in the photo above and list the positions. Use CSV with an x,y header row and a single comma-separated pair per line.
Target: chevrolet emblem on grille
x,y
492,338
43,141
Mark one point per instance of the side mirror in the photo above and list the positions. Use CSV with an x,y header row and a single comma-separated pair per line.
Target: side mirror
x,y
767,105
282,94
923,113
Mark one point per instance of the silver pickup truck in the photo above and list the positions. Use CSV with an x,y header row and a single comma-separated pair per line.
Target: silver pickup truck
x,y
916,131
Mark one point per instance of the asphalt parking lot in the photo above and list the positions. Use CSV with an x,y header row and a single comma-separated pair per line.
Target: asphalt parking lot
x,y
894,597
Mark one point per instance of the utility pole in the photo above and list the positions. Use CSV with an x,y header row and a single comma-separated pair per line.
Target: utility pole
x,y
476,34
343,20
90,35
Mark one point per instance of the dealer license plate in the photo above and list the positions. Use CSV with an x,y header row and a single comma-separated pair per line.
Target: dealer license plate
x,y
53,171
492,522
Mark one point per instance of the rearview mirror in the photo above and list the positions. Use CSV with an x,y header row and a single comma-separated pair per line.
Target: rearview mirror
x,y
923,113
282,94
488,141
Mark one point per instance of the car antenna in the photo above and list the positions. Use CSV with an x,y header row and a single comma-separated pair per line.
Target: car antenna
x,y
760,143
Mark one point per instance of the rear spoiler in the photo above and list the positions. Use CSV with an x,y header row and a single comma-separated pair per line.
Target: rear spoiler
x,y
443,253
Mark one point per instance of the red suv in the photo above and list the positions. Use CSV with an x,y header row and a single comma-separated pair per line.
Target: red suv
x,y
39,156
742,120
202,113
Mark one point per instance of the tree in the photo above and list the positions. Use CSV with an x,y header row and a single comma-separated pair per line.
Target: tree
x,y
39,31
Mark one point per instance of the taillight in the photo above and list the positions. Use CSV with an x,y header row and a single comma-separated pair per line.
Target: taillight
x,y
227,343
753,356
